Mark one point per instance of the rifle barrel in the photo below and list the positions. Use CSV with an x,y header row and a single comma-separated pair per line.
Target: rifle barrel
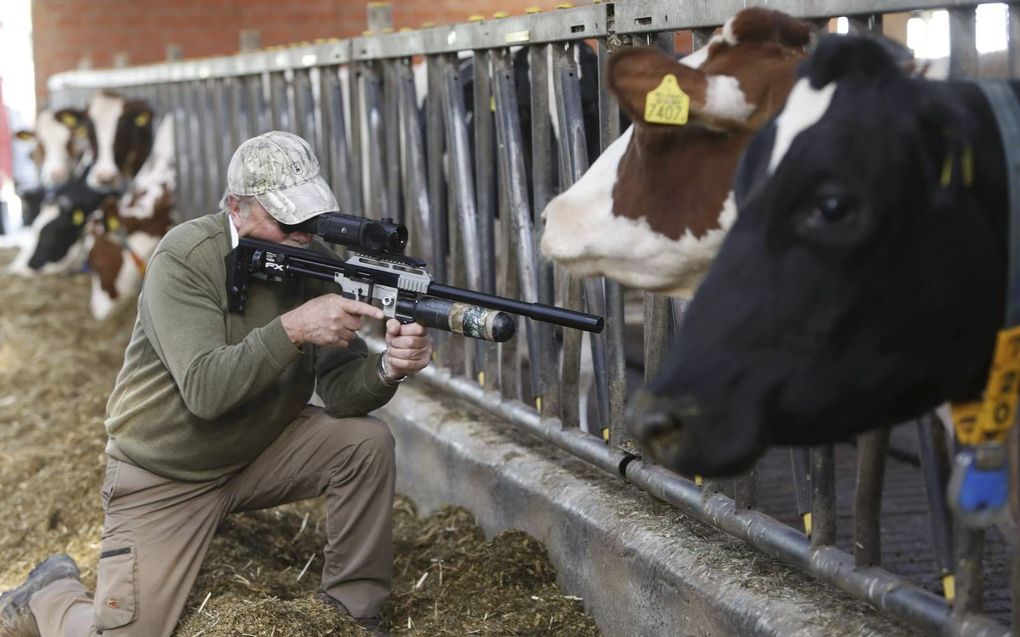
x,y
537,311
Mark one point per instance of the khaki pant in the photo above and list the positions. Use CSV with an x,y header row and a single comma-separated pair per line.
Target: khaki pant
x,y
157,530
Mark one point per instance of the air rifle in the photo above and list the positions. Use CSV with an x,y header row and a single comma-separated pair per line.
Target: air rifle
x,y
378,271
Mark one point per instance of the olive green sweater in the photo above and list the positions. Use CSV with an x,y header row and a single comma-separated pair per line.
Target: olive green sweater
x,y
202,391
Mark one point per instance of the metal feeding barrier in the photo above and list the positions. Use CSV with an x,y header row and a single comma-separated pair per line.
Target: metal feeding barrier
x,y
471,191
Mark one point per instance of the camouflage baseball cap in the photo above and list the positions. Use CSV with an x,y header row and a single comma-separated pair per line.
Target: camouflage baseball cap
x,y
281,171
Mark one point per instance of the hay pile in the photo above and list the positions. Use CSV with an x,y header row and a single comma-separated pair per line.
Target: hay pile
x,y
57,366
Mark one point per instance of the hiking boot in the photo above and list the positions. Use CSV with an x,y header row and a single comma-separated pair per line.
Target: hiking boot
x,y
16,619
371,624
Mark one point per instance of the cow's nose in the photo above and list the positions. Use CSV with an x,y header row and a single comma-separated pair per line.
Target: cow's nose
x,y
657,424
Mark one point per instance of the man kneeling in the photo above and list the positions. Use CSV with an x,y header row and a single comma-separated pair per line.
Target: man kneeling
x,y
209,416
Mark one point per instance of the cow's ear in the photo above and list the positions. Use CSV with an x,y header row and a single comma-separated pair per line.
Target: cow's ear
x,y
840,55
638,76
765,25
70,117
24,135
654,88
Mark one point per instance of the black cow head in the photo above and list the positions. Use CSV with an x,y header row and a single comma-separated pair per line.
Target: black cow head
x,y
863,281
61,222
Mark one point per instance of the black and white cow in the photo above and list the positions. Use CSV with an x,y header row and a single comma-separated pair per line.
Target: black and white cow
x,y
863,281
120,138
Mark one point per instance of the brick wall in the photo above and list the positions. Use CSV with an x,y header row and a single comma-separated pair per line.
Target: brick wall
x,y
67,31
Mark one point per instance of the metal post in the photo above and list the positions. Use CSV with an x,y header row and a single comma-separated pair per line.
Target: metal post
x,y
198,147
485,193
182,152
574,158
935,469
358,141
416,196
278,107
800,466
872,448
969,545
377,205
237,113
963,56
514,184
212,123
616,365
334,127
461,179
542,167
435,148
391,137
1014,60
304,107
823,496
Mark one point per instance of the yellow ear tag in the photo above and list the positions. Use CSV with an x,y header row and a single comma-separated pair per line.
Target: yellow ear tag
x,y
142,119
24,135
667,103
112,224
492,103
78,217
69,120
81,132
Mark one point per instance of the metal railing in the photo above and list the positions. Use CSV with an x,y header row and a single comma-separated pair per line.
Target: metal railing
x,y
472,198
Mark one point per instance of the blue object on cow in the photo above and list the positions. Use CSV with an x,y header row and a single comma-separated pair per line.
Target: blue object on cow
x,y
979,485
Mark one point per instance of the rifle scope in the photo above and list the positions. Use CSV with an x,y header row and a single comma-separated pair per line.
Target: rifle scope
x,y
355,232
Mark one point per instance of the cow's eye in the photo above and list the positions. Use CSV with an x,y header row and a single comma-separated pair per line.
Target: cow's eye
x,y
832,217
828,211
833,208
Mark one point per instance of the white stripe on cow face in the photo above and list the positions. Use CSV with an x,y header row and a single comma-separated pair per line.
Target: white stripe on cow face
x,y
582,233
105,111
805,106
54,138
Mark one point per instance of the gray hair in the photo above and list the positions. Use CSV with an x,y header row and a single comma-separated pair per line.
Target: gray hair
x,y
243,200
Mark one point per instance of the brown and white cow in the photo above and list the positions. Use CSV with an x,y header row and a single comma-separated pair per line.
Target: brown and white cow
x,y
653,210
61,139
121,134
123,233
120,140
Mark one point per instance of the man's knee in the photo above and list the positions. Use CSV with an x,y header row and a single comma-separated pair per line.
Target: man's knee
x,y
370,437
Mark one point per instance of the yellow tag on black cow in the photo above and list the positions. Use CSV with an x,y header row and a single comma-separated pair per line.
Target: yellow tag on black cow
x,y
1007,347
142,119
112,224
69,120
78,217
965,421
667,103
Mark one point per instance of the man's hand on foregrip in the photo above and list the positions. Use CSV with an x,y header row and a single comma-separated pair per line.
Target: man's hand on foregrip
x,y
408,348
330,320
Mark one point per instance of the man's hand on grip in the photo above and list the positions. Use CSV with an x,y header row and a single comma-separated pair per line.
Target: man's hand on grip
x,y
408,347
327,320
